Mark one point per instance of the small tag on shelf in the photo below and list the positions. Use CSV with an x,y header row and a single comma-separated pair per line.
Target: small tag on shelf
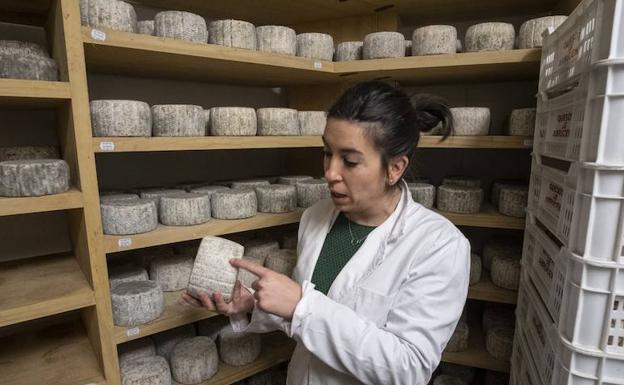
x,y
96,34
107,146
124,242
131,332
318,65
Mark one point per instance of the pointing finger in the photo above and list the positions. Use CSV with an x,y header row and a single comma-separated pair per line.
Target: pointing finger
x,y
250,266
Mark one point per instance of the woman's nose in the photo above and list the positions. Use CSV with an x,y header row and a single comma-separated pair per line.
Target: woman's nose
x,y
332,173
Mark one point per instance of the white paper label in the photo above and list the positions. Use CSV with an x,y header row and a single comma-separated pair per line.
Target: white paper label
x,y
124,242
96,34
107,146
318,65
131,332
527,143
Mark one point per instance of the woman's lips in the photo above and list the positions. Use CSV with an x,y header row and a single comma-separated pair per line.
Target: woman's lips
x,y
338,195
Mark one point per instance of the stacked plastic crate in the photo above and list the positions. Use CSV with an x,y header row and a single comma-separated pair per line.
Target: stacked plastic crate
x,y
570,313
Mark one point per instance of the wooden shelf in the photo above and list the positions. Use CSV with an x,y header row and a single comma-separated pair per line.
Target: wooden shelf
x,y
150,56
177,313
276,348
39,287
518,64
476,356
488,217
71,199
123,144
60,354
485,290
170,234
33,93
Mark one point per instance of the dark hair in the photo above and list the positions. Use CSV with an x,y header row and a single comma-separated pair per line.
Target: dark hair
x,y
392,119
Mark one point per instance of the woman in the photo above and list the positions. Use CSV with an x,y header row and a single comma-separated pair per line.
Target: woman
x,y
380,281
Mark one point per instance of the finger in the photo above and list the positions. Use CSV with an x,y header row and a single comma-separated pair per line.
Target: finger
x,y
251,267
220,304
191,300
256,285
206,301
236,293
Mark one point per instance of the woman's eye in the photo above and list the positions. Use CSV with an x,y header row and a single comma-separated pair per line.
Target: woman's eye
x,y
349,163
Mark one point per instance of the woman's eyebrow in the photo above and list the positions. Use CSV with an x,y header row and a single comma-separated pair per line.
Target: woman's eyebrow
x,y
345,150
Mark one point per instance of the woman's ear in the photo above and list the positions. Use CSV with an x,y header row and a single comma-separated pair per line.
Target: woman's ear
x,y
396,168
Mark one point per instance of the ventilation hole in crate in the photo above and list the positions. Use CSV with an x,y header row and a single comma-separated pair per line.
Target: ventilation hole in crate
x,y
622,324
613,323
615,340
610,340
620,342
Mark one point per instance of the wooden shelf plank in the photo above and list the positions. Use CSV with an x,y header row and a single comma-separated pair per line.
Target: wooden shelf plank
x,y
476,356
39,287
485,290
462,67
59,354
71,199
120,144
488,217
33,93
151,56
276,348
177,313
170,234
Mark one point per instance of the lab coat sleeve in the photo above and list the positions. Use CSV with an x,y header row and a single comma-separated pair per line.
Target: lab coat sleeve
x,y
421,320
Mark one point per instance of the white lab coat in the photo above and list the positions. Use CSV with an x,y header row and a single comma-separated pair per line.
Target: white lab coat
x,y
391,310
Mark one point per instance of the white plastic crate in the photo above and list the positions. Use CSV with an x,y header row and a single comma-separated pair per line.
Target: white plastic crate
x,y
592,33
544,262
523,371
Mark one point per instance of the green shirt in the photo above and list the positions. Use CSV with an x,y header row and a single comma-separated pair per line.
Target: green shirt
x,y
337,251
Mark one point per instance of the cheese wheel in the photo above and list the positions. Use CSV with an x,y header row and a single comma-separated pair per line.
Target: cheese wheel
x,y
178,120
434,40
119,197
499,342
33,177
530,34
211,327
154,194
496,378
522,122
233,121
245,277
381,45
112,14
194,360
277,121
500,247
22,48
497,315
312,122
121,118
141,348
250,183
349,50
260,247
167,340
513,201
459,340
276,39
290,240
445,379
181,25
475,269
121,274
208,190
29,152
311,191
490,37
136,302
318,46
184,209
506,271
282,261
28,67
234,204
471,121
128,217
465,373
459,199
232,33
423,193
276,198
239,348
464,181
146,371
497,186
212,270
146,27
172,272
292,179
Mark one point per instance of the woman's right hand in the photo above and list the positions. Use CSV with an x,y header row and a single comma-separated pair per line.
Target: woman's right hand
x,y
242,301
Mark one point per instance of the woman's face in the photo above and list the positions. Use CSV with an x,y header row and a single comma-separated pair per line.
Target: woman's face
x,y
353,167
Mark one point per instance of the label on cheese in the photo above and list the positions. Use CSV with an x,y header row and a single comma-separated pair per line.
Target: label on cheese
x,y
124,242
131,332
107,146
96,34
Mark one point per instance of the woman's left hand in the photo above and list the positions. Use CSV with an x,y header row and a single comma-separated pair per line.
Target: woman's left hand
x,y
274,292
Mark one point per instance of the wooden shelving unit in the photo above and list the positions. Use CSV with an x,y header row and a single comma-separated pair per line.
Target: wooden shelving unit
x,y
65,201
485,290
487,217
33,93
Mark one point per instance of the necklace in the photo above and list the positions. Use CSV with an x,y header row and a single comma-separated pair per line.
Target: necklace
x,y
354,241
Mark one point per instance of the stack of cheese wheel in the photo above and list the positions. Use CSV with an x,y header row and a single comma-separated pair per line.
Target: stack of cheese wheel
x,y
129,217
499,342
112,14
459,199
312,122
319,46
233,121
522,122
434,40
25,60
471,121
239,348
136,302
276,39
167,340
510,247
277,121
234,204
423,193
141,348
126,273
113,117
512,200
194,360
178,120
232,33
349,50
505,271
33,177
184,209
531,31
276,198
381,45
490,37
181,25
146,370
